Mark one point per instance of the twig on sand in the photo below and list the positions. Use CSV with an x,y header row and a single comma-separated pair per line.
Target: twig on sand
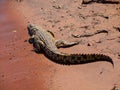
x,y
102,1
90,34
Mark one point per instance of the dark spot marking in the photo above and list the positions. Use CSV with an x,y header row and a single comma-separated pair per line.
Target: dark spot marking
x,y
73,57
67,62
84,56
79,57
64,57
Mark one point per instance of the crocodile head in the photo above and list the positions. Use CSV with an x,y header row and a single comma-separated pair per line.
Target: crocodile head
x,y
32,29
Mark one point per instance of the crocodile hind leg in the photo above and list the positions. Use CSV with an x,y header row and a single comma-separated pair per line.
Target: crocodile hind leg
x,y
63,43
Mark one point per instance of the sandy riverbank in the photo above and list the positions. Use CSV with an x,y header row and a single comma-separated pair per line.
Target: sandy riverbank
x,y
23,69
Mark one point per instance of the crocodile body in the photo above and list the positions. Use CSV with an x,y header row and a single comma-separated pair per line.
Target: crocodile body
x,y
43,40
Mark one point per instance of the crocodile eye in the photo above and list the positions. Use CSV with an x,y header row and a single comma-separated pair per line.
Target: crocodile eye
x,y
32,31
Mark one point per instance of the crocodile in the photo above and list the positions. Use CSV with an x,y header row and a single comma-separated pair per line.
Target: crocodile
x,y
43,40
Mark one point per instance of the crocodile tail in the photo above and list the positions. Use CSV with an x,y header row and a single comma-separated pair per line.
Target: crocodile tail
x,y
73,59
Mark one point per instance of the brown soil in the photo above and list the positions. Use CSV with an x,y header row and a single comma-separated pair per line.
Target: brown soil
x,y
23,69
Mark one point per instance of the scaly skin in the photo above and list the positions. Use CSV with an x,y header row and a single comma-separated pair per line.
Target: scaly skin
x,y
44,40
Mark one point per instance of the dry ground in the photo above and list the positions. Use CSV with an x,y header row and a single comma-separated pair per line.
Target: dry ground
x,y
23,69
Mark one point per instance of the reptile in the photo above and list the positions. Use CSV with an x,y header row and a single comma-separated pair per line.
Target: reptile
x,y
44,40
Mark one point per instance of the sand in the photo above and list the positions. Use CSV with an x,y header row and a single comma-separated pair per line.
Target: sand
x,y
23,69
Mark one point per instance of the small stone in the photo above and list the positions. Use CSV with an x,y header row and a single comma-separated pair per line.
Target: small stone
x,y
14,31
2,75
25,40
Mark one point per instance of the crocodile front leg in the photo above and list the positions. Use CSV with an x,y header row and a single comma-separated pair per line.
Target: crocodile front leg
x,y
63,43
31,39
51,33
37,44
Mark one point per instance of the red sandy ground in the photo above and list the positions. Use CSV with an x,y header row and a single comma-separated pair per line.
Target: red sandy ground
x,y
23,69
